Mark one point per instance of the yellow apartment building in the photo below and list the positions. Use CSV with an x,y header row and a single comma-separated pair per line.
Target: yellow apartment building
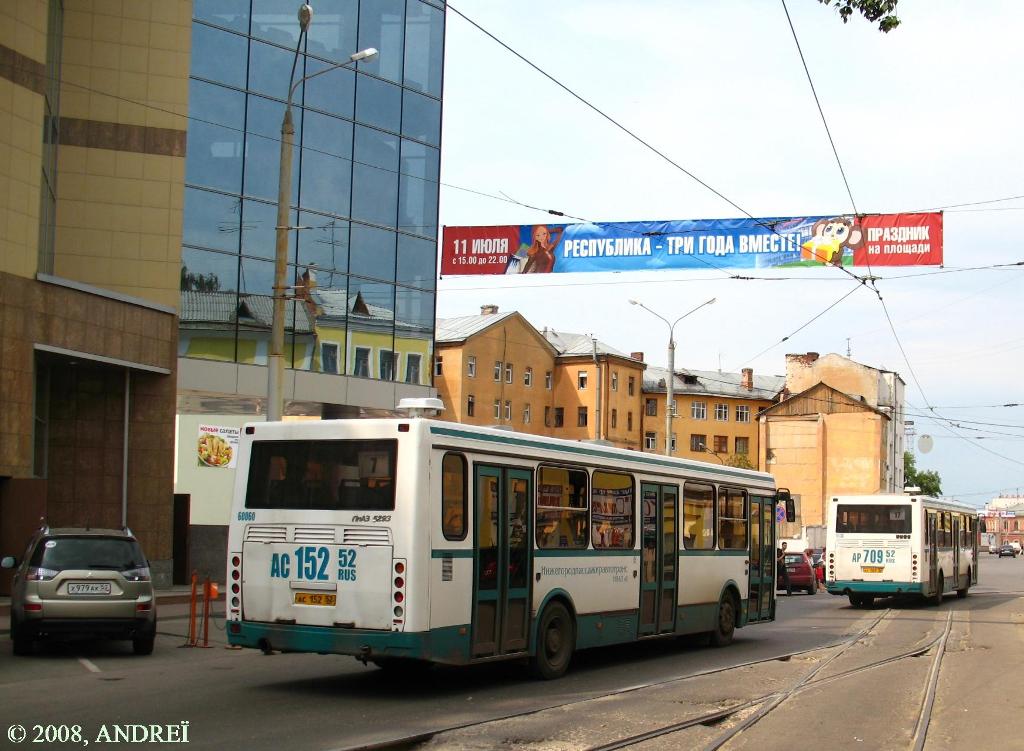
x,y
716,413
498,369
92,162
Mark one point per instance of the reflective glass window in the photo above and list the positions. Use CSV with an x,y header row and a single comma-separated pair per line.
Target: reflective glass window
x,y
414,327
325,246
370,320
378,103
421,117
232,14
259,230
206,272
270,67
263,148
211,220
418,189
424,47
382,26
375,177
215,151
334,91
417,260
332,34
326,163
277,22
256,277
372,252
219,55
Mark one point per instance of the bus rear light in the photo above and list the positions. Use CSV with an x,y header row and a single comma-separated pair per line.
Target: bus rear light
x,y
399,582
235,574
399,611
403,427
399,567
399,597
235,589
236,561
235,602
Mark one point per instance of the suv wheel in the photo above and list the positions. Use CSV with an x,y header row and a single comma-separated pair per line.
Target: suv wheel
x,y
143,645
21,643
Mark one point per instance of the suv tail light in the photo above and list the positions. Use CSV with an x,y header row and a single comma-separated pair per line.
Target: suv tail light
x,y
40,574
140,574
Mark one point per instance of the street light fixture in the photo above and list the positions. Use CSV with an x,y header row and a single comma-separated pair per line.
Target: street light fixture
x,y
713,453
275,360
671,365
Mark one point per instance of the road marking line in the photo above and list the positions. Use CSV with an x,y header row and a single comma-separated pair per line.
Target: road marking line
x,y
89,665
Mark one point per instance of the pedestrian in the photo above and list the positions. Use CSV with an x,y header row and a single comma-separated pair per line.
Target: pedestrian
x,y
780,568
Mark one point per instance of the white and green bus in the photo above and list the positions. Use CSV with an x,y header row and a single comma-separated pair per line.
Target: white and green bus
x,y
417,540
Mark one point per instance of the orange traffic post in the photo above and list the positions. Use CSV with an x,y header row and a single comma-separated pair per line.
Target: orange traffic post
x,y
209,592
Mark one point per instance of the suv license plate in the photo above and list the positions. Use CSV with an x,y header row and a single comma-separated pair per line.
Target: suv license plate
x,y
315,598
89,588
872,569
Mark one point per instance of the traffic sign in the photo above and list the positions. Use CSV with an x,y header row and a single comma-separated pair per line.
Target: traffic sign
x,y
780,513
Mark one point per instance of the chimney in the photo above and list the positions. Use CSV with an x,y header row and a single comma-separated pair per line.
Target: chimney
x,y
488,310
747,379
637,356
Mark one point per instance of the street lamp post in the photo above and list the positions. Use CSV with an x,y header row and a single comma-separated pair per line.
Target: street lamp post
x,y
713,453
275,359
671,365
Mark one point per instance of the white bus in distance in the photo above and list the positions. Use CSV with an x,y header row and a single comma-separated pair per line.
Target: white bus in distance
x,y
900,544
413,540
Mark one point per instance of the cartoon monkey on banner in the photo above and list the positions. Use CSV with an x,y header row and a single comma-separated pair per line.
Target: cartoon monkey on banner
x,y
830,238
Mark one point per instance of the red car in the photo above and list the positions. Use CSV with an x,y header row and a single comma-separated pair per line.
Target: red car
x,y
801,573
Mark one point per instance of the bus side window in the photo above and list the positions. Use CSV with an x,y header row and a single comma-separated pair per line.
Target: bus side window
x,y
453,496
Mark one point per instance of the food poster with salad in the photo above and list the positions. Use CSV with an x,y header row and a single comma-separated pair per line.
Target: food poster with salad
x,y
217,446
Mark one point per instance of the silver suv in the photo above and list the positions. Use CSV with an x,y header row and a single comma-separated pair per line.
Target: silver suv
x,y
75,583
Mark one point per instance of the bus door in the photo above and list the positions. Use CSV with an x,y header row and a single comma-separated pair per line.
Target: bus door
x,y
660,557
933,551
501,608
972,525
762,558
956,550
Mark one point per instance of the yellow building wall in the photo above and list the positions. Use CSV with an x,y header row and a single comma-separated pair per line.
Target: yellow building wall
x,y
570,397
621,434
838,372
683,425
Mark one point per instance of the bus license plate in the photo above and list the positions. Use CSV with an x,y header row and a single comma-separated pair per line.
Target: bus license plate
x,y
872,569
315,598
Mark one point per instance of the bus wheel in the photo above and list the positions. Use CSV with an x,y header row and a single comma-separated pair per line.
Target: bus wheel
x,y
726,626
861,601
556,640
962,593
936,598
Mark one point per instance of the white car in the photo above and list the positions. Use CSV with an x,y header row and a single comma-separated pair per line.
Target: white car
x,y
1016,546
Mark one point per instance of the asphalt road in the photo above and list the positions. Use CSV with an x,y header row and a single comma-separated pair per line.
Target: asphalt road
x,y
241,698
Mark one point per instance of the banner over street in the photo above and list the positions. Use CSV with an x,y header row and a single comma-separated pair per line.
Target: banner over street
x,y
866,240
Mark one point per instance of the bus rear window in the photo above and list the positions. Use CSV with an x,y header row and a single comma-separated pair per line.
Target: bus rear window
x,y
322,475
873,519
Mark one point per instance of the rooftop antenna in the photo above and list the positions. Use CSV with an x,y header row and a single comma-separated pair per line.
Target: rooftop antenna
x,y
847,346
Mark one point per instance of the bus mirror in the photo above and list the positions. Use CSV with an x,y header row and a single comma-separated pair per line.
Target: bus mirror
x,y
782,495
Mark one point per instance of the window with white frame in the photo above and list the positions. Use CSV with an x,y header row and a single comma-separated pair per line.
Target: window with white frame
x,y
528,377
508,372
438,364
742,413
329,357
498,365
699,410
615,380
673,447
526,414
581,380
497,409
547,380
387,360
361,364
722,412
508,409
471,366
650,441
412,368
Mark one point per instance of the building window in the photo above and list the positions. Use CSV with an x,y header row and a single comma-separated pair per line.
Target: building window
x,y
698,516
742,445
631,386
732,519
561,508
470,405
508,372
699,410
508,409
615,418
454,496
547,380
526,414
438,365
559,417
722,412
497,409
674,413
528,377
651,407
615,380
629,421
362,362
742,413
613,504
547,417
388,361
581,380
673,446
497,370
650,441
698,442
412,368
581,417
721,444
329,357
471,366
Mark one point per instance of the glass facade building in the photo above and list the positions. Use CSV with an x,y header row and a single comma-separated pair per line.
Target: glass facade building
x,y
364,191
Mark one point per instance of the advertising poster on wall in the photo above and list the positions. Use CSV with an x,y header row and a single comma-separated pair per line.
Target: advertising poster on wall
x,y
217,446
779,242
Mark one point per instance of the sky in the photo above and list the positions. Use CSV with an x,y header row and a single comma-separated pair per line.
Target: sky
x,y
926,116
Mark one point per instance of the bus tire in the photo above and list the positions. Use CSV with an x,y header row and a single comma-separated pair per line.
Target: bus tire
x,y
962,593
858,600
556,641
936,598
725,626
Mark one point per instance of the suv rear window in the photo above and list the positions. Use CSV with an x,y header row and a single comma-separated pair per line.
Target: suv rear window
x,y
109,553
351,475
